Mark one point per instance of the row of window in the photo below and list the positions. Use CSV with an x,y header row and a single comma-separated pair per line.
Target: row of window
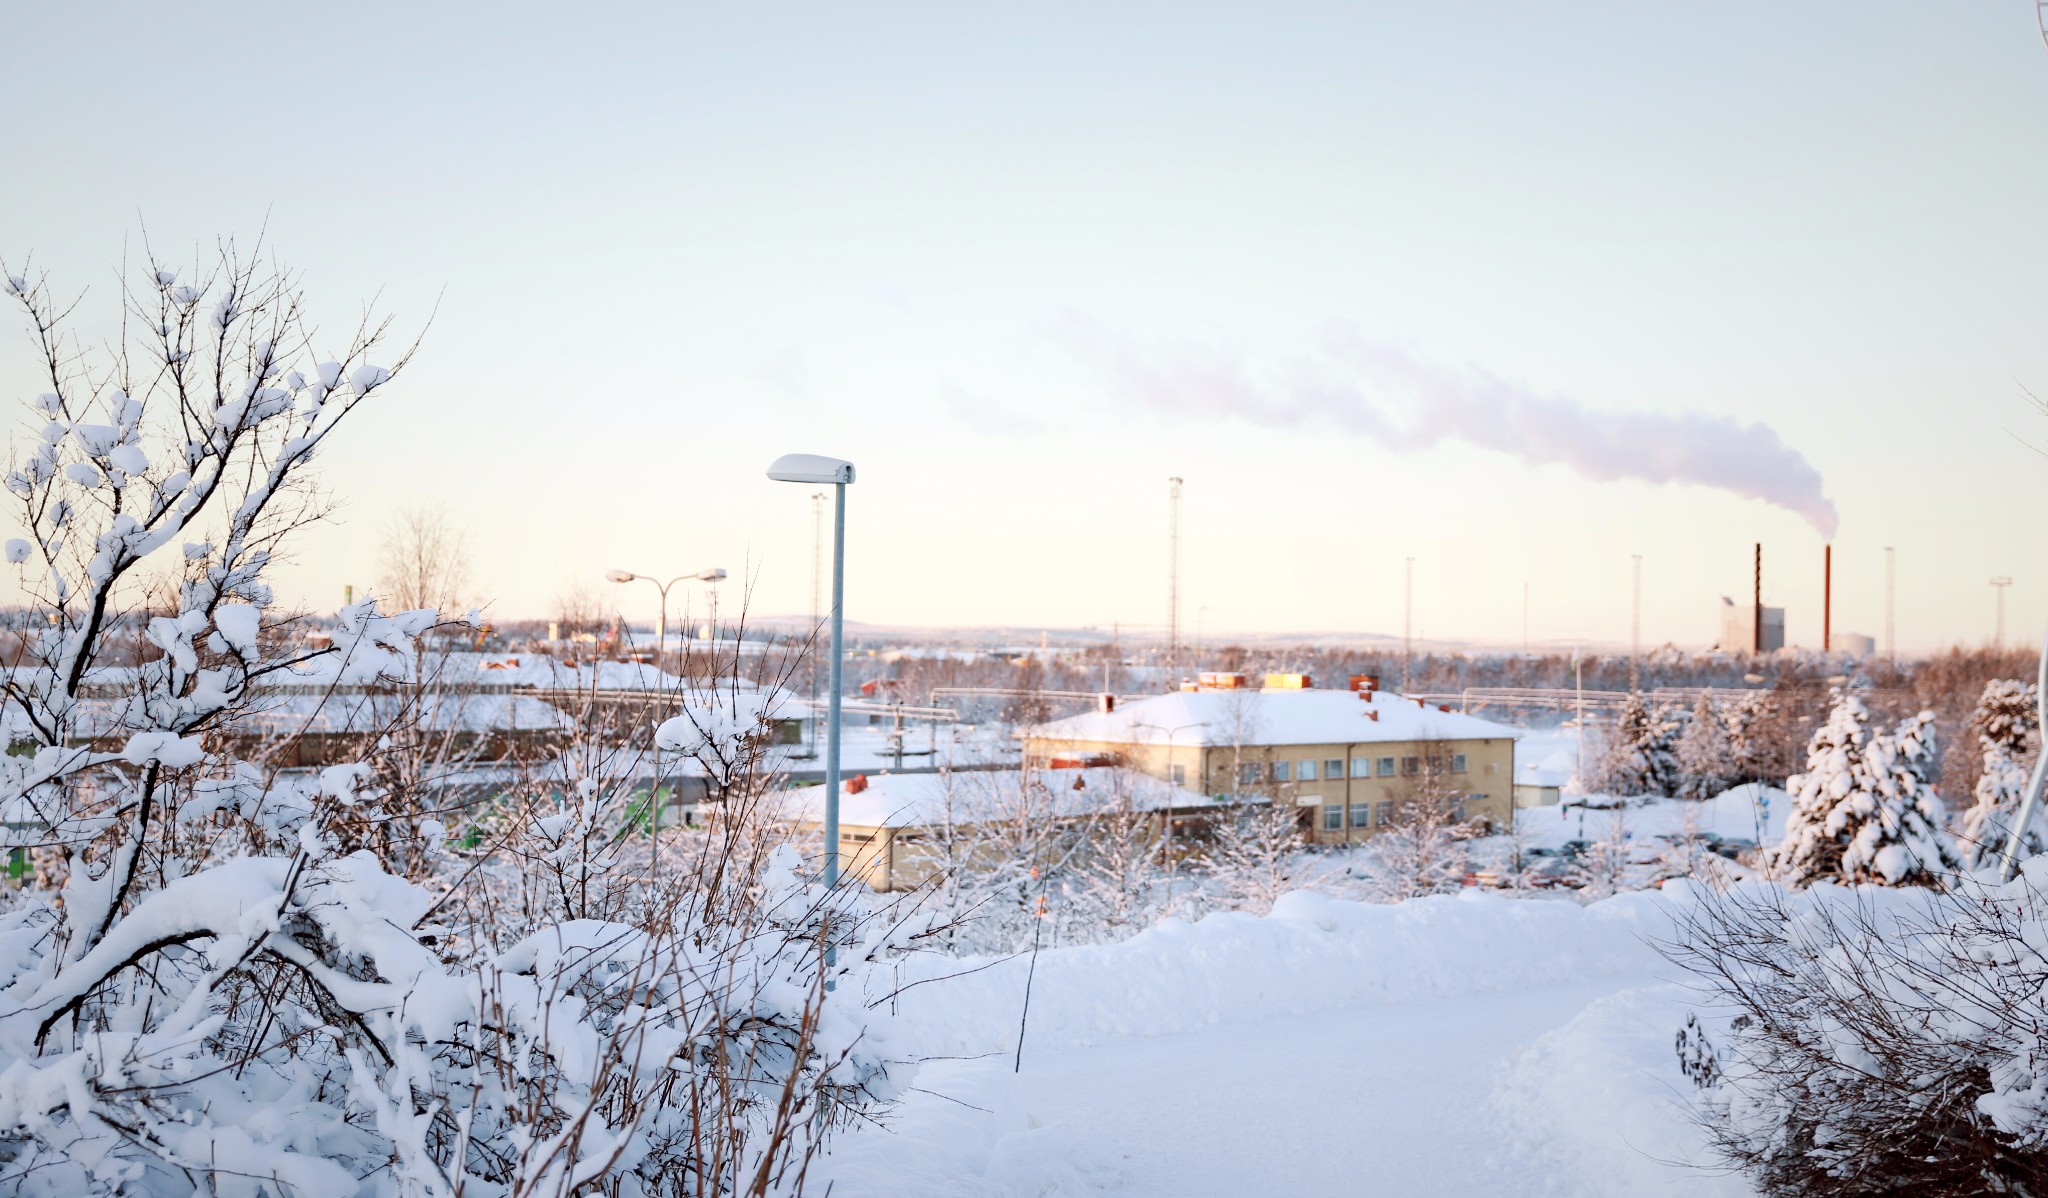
x,y
1379,814
1332,770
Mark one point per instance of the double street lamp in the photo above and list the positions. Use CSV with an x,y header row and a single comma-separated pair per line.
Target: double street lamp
x,y
813,470
713,576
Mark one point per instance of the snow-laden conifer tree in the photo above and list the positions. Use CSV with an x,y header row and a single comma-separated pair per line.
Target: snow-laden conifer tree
x,y
1865,809
1641,756
2007,722
1751,720
1706,758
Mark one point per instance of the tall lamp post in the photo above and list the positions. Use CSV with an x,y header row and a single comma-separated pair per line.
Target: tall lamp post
x,y
660,647
713,576
1201,760
813,470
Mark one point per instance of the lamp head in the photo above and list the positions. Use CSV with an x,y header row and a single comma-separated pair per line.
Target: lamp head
x,y
715,574
810,468
620,576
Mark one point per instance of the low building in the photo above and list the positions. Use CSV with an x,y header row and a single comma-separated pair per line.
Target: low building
x,y
1348,758
897,831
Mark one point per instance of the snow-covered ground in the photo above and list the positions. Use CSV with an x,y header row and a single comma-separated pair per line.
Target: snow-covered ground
x,y
1736,814
1467,1044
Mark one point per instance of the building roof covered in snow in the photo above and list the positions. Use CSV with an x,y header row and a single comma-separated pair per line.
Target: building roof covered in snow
x,y
981,796
1207,718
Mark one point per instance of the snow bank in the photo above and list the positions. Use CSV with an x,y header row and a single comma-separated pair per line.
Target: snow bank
x,y
1311,954
1600,1101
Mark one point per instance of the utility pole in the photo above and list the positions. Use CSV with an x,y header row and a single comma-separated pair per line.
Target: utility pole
x,y
1579,719
1998,585
1408,627
1173,581
1525,619
1635,628
1891,648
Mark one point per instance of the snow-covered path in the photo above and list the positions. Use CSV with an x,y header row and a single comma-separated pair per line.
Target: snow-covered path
x,y
1418,1078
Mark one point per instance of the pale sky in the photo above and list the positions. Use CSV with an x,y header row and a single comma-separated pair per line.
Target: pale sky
x,y
671,242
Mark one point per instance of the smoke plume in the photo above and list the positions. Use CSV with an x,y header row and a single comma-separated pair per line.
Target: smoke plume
x,y
1405,402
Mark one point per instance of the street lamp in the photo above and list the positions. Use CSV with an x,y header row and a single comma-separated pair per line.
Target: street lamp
x,y
712,576
813,470
1201,764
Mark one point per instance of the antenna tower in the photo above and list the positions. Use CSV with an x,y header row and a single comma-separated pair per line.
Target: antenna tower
x,y
1999,584
1173,581
1408,627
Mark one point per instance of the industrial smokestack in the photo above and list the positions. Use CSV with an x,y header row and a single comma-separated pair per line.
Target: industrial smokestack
x,y
1827,599
1756,636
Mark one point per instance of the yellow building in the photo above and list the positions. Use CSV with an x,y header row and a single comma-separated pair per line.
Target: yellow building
x,y
1348,758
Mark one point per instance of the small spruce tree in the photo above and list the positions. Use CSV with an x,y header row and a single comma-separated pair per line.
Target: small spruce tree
x,y
1865,809
1706,758
2008,731
1751,720
1642,757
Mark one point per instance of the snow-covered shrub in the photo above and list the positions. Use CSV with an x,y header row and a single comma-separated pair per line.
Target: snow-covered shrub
x,y
1119,882
1872,1040
1865,810
1641,757
248,981
1002,854
1256,857
1424,850
2007,722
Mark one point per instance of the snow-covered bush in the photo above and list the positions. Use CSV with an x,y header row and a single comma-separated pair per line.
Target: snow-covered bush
x,y
1865,810
1424,850
229,987
1872,1040
2007,722
1256,857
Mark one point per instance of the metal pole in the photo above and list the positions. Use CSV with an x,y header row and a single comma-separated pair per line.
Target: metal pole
x,y
1635,624
661,625
832,699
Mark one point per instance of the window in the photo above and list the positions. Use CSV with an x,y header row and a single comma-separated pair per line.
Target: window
x,y
1386,767
1458,808
1457,763
1306,772
1436,765
1333,818
1411,765
1383,813
1361,767
1361,815
1333,769
1178,773
1280,770
1247,773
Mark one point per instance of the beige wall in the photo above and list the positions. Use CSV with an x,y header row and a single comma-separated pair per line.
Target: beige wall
x,y
1487,780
